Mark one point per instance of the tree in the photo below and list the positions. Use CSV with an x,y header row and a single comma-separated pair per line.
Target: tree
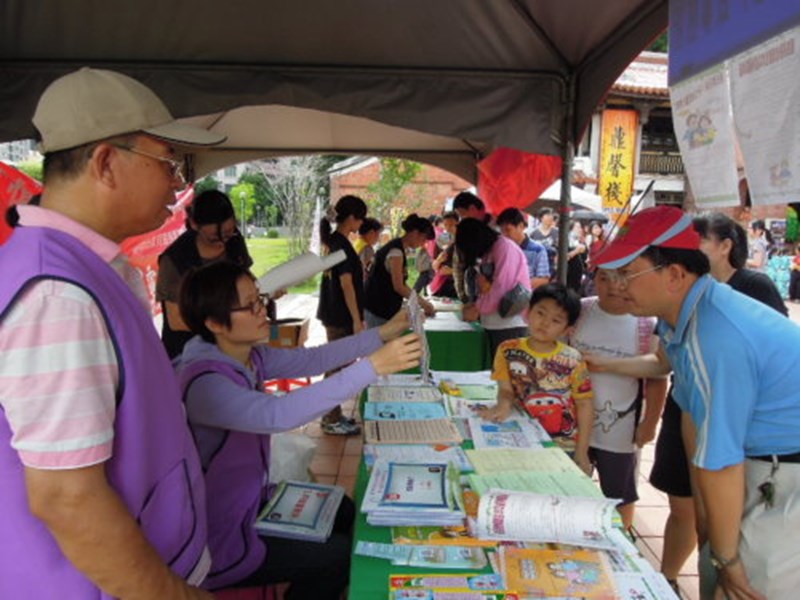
x,y
395,174
32,168
264,198
295,183
243,198
205,184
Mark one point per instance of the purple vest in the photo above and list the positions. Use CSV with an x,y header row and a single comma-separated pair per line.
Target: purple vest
x,y
235,486
154,466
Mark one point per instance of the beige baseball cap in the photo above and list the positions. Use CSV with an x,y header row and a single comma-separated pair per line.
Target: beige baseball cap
x,y
94,104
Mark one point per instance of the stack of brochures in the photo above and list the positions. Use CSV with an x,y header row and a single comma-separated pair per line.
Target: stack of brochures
x,y
514,432
387,411
301,511
469,586
403,393
417,453
557,573
412,431
413,494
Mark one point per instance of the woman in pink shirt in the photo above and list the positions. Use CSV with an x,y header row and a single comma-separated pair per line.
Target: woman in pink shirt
x,y
493,267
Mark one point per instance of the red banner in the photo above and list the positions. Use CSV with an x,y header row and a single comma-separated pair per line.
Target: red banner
x,y
143,250
510,177
15,188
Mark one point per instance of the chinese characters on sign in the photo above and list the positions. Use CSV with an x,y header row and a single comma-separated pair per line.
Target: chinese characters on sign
x,y
617,156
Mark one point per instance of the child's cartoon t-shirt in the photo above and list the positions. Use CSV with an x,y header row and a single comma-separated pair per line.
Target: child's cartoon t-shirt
x,y
546,384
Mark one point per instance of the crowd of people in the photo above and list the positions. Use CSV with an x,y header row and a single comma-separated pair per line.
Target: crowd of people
x,y
128,475
107,491
591,360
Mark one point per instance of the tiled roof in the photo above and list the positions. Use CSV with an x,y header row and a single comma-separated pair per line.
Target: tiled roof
x,y
645,76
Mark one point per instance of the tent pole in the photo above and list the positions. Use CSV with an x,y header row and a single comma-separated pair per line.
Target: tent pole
x,y
567,157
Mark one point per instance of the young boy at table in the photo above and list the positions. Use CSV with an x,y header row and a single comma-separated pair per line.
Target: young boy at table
x,y
606,329
547,378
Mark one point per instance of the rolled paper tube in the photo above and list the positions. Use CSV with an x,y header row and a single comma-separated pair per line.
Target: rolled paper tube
x,y
297,270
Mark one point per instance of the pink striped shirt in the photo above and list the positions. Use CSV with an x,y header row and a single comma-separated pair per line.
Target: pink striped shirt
x,y
59,374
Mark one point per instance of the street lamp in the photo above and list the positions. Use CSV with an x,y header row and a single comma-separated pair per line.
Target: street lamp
x,y
242,196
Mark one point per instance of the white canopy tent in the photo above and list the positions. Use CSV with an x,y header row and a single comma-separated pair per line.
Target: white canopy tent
x,y
580,198
295,131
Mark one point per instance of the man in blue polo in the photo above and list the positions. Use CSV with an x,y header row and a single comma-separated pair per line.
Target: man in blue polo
x,y
737,380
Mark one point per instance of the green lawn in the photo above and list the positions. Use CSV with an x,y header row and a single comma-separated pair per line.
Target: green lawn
x,y
268,253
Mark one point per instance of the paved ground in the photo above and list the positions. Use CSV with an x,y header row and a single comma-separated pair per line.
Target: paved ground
x,y
336,460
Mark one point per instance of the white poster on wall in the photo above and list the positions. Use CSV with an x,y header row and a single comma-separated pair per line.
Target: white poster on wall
x,y
701,114
765,90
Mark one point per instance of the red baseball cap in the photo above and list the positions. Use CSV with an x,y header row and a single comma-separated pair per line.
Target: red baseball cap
x,y
663,226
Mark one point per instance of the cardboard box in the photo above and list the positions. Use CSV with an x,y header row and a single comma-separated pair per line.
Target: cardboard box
x,y
288,333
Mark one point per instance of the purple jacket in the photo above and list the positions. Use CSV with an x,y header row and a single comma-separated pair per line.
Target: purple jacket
x,y
154,466
231,418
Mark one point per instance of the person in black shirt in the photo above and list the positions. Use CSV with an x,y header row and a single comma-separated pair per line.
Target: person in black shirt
x,y
211,235
386,285
725,243
341,292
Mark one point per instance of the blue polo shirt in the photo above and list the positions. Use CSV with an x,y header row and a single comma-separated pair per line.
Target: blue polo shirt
x,y
737,372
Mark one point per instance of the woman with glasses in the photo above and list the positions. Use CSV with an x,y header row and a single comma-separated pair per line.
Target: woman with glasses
x,y
211,235
221,372
341,292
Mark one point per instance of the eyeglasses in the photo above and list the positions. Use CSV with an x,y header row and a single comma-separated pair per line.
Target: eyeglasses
x,y
176,167
255,307
621,280
224,236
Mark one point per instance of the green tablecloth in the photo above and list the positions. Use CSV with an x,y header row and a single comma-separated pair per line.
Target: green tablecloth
x,y
369,577
462,350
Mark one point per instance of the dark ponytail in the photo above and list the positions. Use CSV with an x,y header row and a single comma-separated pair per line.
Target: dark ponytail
x,y
346,206
325,232
414,222
724,228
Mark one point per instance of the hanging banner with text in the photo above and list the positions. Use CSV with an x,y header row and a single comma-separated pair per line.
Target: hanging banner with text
x,y
765,91
617,158
703,125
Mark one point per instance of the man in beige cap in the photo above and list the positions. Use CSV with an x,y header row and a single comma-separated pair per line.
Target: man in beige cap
x,y
102,489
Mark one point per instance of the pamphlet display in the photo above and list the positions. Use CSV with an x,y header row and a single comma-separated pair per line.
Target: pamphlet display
x,y
300,510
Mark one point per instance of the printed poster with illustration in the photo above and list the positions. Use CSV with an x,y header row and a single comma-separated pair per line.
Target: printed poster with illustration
x,y
544,573
765,91
701,116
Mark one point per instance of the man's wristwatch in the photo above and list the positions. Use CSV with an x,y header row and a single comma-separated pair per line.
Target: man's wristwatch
x,y
720,563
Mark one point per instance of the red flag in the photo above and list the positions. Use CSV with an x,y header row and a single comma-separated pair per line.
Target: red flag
x,y
143,250
15,188
510,177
